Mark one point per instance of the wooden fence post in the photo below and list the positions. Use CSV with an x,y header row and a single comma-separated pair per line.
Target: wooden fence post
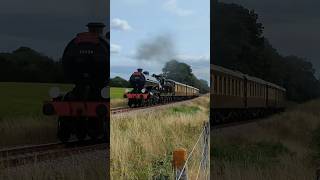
x,y
179,160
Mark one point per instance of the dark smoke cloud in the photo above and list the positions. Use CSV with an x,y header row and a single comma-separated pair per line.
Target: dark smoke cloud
x,y
159,48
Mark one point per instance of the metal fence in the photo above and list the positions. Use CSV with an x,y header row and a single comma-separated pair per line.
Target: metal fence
x,y
195,165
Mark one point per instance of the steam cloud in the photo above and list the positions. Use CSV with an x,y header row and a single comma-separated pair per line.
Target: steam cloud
x,y
160,48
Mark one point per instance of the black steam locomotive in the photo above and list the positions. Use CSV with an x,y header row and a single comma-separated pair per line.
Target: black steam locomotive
x,y
154,89
85,109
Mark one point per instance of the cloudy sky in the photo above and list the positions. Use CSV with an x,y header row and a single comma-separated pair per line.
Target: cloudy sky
x,y
46,25
147,34
292,26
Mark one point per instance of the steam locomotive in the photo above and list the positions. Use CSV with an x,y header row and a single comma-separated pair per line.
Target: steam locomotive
x,y
85,109
154,89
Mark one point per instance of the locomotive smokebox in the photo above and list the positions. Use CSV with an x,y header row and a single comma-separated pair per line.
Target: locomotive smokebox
x,y
96,27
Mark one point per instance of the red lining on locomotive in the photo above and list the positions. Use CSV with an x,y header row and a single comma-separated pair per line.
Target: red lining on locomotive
x,y
136,96
77,109
87,37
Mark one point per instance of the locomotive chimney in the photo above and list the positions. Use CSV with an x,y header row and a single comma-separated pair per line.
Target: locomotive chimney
x,y
96,27
140,70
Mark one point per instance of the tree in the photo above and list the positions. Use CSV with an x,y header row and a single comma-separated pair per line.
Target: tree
x,y
27,65
182,72
119,82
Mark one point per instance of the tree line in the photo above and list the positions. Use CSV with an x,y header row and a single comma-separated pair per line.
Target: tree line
x,y
28,65
239,44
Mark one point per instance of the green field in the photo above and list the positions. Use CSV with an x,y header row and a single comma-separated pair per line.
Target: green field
x,y
23,99
117,93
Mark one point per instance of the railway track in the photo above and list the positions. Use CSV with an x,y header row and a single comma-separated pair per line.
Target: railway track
x,y
17,156
128,109
238,123
232,124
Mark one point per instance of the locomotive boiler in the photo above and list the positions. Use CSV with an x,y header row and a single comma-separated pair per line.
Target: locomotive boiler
x,y
84,111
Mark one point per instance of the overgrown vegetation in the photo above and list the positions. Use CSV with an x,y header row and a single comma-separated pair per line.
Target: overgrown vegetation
x,y
284,146
239,44
77,167
142,142
184,109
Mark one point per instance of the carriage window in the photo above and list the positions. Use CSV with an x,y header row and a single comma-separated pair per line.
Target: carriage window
x,y
239,89
224,86
252,89
236,88
255,90
215,84
220,85
229,86
232,87
260,91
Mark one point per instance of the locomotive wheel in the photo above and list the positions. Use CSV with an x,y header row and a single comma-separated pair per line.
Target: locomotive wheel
x,y
93,130
106,127
64,129
130,103
145,102
81,131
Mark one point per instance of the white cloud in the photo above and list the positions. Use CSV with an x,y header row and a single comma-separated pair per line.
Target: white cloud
x,y
120,24
172,6
114,48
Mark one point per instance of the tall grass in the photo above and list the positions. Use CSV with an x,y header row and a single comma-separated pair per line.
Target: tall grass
x,y
91,165
27,130
142,142
283,146
116,103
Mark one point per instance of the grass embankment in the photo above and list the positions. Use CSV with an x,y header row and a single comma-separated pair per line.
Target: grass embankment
x,y
142,142
284,146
